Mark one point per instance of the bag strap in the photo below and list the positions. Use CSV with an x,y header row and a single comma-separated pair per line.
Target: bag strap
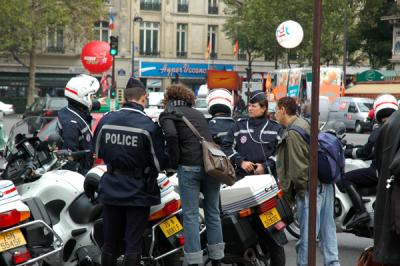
x,y
192,128
301,132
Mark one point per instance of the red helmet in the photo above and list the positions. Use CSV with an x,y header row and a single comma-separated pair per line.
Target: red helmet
x,y
371,114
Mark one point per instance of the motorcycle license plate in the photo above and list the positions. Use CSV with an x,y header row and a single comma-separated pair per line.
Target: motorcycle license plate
x,y
171,226
11,239
270,217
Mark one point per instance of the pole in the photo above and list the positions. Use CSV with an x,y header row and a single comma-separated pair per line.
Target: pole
x,y
133,57
314,134
113,73
345,47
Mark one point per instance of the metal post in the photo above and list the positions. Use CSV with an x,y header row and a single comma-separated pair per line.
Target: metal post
x,y
133,57
345,46
114,86
312,217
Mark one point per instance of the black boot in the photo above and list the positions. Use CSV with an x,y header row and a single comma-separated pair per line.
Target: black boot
x,y
131,259
361,215
108,259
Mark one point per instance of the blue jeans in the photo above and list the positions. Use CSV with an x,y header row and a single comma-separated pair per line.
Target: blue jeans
x,y
192,180
326,227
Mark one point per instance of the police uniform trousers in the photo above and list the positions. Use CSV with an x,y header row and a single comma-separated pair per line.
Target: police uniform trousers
x,y
364,177
124,226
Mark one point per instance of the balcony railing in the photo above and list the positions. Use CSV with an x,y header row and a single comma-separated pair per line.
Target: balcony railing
x,y
181,54
242,57
184,8
213,10
149,53
150,6
55,49
213,55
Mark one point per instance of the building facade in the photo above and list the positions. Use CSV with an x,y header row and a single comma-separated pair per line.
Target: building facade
x,y
159,41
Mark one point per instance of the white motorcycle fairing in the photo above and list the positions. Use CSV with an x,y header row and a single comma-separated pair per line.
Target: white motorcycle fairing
x,y
57,190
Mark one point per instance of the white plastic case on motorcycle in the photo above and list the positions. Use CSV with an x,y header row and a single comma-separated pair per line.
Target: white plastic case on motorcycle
x,y
248,192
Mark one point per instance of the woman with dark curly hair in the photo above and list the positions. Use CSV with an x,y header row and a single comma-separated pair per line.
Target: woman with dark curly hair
x,y
186,155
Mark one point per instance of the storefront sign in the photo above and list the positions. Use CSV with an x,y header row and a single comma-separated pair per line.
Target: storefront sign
x,y
155,69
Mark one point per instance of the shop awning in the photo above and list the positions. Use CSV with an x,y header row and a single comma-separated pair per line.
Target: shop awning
x,y
374,89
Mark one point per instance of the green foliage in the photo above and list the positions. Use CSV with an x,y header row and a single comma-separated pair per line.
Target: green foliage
x,y
24,23
375,34
254,24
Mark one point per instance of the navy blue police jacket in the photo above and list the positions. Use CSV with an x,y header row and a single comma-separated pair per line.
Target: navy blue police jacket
x,y
254,140
367,151
75,129
219,127
130,144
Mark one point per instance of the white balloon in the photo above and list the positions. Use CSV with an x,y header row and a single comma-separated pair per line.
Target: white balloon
x,y
289,34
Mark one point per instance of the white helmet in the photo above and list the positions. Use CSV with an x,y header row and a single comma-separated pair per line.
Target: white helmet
x,y
219,101
384,106
81,88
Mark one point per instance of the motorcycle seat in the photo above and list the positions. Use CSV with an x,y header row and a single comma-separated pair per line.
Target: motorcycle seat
x,y
367,191
82,210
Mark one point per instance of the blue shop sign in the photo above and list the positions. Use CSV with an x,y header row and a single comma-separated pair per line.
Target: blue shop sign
x,y
155,69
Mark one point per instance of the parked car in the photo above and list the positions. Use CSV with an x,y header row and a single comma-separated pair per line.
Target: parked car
x,y
7,109
45,107
353,112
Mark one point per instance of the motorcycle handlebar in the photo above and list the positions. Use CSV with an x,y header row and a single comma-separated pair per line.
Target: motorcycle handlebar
x,y
67,153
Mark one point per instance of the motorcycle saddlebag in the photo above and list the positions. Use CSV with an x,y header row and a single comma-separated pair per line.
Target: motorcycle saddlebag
x,y
284,210
37,235
238,233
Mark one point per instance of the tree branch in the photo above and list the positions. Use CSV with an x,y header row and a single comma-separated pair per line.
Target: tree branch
x,y
16,58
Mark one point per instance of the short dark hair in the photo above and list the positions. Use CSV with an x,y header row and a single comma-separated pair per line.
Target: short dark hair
x,y
134,93
289,104
134,90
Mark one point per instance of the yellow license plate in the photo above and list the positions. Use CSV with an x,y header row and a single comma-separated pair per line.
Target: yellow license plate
x,y
11,239
171,226
270,217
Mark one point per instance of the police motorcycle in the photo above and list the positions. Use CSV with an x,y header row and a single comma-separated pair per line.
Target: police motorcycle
x,y
163,239
25,239
253,217
343,206
34,167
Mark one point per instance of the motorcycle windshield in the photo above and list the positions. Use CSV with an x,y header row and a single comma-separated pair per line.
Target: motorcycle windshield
x,y
33,126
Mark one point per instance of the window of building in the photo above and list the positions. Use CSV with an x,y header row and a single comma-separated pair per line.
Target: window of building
x,y
183,6
213,7
397,33
101,31
55,40
212,39
149,38
154,5
181,40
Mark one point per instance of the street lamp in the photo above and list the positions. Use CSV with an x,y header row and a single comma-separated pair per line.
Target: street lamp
x,y
139,19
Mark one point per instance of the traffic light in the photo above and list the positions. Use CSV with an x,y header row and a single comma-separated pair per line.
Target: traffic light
x,y
113,93
113,45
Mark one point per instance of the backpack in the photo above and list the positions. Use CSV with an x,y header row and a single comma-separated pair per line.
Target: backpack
x,y
331,159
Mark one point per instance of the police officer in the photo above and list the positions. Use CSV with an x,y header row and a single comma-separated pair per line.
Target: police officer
x,y
384,106
220,104
251,143
251,146
132,147
74,121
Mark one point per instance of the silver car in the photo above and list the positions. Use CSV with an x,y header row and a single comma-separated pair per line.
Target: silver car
x,y
353,112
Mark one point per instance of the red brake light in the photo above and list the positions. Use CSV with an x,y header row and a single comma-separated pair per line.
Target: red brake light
x,y
181,240
21,256
9,218
171,207
266,205
48,113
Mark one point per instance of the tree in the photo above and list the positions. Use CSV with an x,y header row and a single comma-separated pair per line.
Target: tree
x,y
375,34
25,23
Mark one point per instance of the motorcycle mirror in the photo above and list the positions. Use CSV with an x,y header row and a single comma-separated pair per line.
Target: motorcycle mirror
x,y
54,140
